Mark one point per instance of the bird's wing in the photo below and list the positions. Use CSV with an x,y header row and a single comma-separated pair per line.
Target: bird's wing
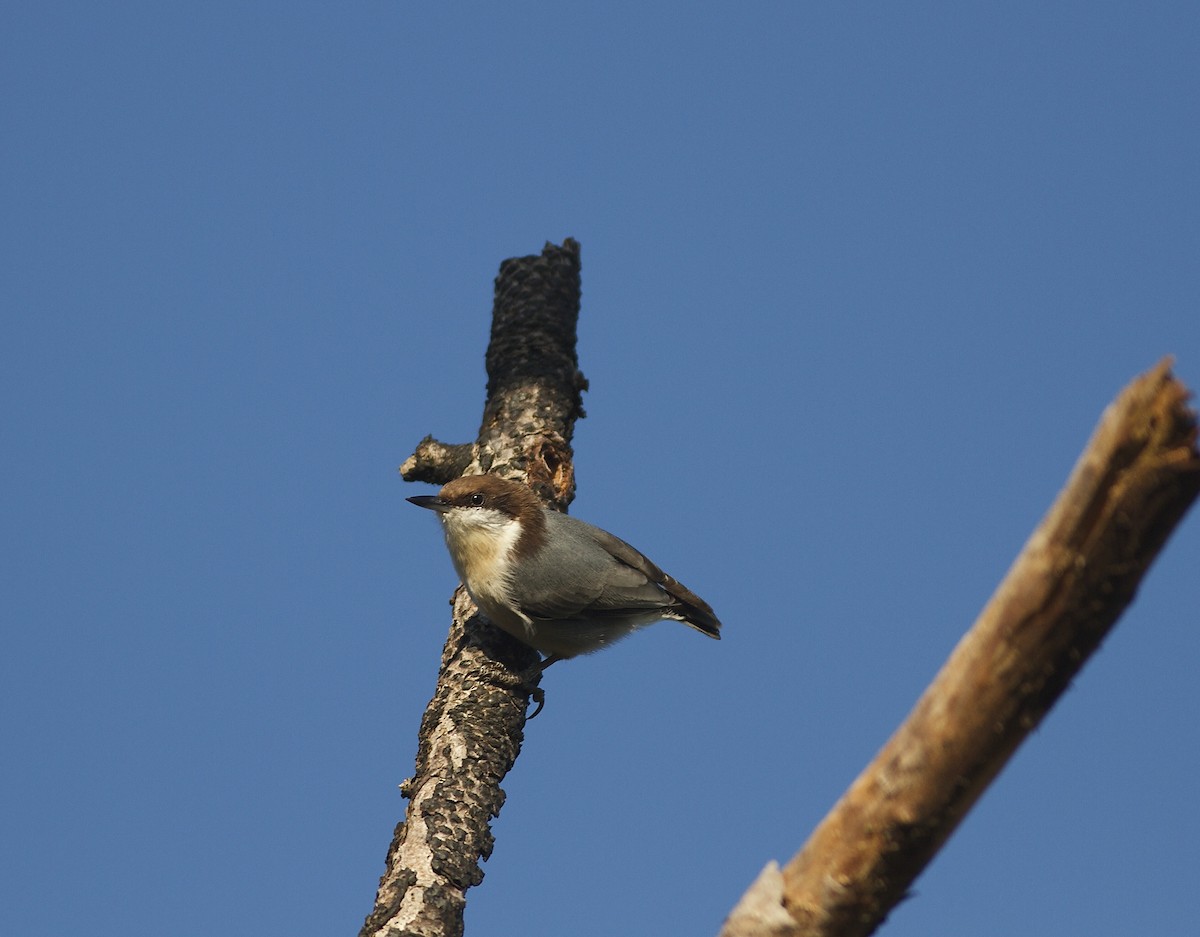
x,y
636,582
597,581
695,611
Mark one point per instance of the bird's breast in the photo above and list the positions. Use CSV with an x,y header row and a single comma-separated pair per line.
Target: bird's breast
x,y
482,555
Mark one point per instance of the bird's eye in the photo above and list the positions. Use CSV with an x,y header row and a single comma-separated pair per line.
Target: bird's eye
x,y
476,500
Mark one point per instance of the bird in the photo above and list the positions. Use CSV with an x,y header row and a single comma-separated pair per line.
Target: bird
x,y
554,582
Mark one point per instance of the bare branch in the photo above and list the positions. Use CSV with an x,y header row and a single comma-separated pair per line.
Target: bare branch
x,y
437,462
1135,480
473,727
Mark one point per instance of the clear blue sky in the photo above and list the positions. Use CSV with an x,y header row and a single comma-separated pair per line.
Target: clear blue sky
x,y
858,281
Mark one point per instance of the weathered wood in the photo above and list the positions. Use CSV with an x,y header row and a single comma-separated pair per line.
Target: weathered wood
x,y
1134,482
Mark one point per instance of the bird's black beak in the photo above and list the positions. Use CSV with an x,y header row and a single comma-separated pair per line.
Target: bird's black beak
x,y
433,502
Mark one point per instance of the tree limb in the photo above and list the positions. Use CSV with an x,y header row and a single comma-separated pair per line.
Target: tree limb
x,y
473,727
1134,482
437,462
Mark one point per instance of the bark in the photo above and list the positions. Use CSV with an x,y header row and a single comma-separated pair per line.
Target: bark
x,y
472,729
1134,482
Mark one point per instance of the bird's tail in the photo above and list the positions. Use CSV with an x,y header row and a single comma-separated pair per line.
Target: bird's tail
x,y
691,609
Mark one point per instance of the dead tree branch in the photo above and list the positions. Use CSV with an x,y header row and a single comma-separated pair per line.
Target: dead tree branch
x,y
473,727
1134,482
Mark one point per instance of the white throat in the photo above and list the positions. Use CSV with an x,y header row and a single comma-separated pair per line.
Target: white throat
x,y
481,542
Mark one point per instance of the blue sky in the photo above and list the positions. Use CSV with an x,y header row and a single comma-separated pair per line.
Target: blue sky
x,y
858,281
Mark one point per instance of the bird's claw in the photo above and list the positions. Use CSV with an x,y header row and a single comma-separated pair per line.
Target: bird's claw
x,y
538,695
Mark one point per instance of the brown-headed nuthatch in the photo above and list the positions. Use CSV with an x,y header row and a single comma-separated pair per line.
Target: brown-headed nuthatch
x,y
559,585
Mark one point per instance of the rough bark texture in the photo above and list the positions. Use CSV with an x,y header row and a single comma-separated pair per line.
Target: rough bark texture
x,y
473,727
1137,477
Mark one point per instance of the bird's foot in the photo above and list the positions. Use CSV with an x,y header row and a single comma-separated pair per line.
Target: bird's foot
x,y
536,693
